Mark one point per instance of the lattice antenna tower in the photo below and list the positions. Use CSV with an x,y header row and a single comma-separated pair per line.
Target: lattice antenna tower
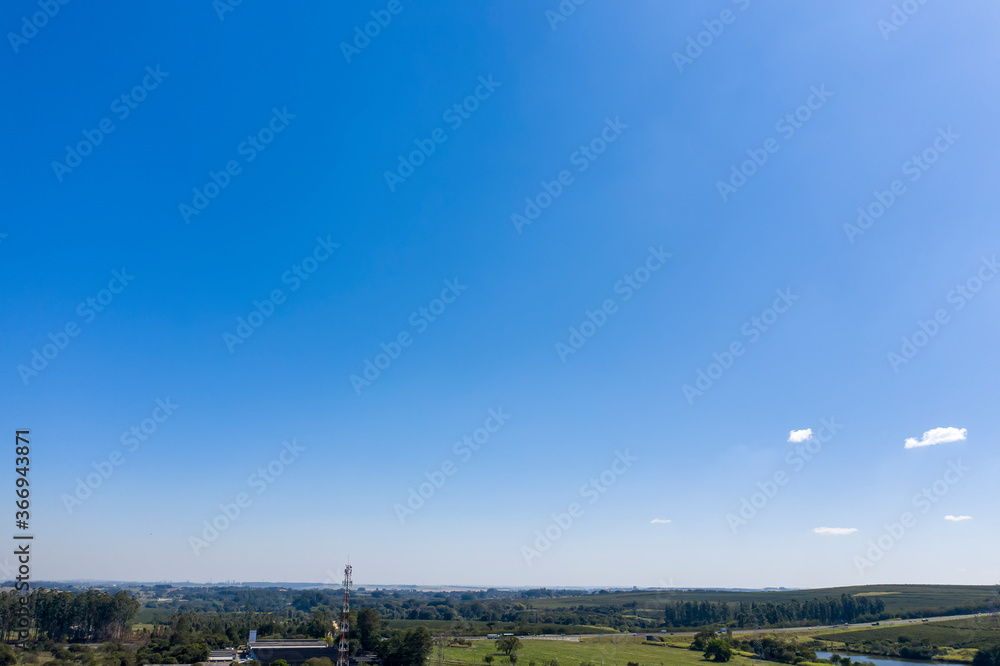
x,y
344,650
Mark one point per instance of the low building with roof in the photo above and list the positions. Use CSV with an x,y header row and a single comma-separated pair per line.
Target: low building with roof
x,y
292,651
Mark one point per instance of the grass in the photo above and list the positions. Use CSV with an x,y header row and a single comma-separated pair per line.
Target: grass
x,y
154,615
957,634
605,651
482,628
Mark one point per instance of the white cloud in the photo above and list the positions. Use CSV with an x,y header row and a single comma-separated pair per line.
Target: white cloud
x,y
797,436
658,520
937,436
835,531
955,519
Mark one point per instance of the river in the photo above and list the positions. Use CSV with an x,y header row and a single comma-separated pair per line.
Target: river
x,y
878,661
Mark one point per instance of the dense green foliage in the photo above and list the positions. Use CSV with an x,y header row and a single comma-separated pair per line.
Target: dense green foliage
x,y
987,657
775,649
406,648
91,615
369,626
768,647
764,614
718,650
508,644
900,600
183,645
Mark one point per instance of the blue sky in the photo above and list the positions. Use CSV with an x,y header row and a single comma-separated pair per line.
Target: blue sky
x,y
621,132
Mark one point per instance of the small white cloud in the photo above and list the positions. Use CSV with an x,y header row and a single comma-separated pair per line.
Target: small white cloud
x,y
797,436
937,436
658,520
956,519
835,531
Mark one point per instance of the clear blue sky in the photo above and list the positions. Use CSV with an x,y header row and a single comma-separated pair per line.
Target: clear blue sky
x,y
634,140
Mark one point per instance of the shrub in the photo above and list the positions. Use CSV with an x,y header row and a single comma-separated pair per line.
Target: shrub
x,y
987,657
718,650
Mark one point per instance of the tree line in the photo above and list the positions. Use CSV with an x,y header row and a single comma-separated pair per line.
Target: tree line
x,y
826,610
92,615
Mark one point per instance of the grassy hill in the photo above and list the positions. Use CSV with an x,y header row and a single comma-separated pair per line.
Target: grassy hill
x,y
968,633
899,599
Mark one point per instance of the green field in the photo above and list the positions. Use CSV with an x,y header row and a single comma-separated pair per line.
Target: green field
x,y
958,638
154,615
456,628
899,599
616,650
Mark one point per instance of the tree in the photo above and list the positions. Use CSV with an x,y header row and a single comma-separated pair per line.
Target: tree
x,y
701,639
718,650
320,624
406,648
369,628
279,662
987,657
7,656
508,644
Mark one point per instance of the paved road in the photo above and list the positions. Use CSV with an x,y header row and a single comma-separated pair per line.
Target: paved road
x,y
859,625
